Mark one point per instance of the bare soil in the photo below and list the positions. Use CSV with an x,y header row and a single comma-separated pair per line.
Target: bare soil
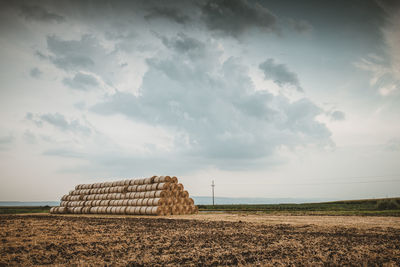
x,y
204,239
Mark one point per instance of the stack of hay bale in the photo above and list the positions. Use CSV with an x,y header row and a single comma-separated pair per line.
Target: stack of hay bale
x,y
158,195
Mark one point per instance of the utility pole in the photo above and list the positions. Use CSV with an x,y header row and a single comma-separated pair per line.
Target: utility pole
x,y
212,186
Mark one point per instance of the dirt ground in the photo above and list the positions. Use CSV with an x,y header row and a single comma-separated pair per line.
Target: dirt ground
x,y
198,240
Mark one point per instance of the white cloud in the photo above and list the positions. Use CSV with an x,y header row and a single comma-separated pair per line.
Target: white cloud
x,y
385,72
213,107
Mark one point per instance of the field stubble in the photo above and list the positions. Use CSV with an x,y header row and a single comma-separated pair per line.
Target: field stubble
x,y
204,239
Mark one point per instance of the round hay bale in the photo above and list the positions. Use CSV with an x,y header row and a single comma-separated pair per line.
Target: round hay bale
x,y
61,210
148,211
135,210
113,210
174,180
93,210
115,183
122,210
140,195
157,202
163,186
180,187
157,179
191,201
131,182
132,188
154,186
78,210
185,194
148,202
147,180
108,210
125,202
174,210
130,210
159,193
52,209
162,179
143,188
103,210
167,210
142,210
84,210
148,187
118,210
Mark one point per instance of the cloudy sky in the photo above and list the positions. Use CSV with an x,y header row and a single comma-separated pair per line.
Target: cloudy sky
x,y
268,98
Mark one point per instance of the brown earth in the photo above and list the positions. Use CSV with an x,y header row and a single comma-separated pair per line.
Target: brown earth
x,y
204,239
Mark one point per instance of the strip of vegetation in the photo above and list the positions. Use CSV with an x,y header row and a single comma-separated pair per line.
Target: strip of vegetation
x,y
368,207
19,210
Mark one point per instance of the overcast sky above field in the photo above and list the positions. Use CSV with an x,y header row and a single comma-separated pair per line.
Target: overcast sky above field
x,y
268,98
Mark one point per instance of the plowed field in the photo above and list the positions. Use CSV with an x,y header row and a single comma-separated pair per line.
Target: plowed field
x,y
137,241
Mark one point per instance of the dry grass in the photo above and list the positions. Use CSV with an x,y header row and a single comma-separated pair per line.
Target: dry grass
x,y
208,239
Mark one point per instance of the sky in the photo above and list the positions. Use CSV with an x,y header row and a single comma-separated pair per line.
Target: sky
x,y
274,99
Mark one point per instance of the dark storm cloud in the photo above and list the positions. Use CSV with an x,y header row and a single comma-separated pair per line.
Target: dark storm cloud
x,y
72,54
35,72
84,55
81,81
60,122
33,12
234,17
300,25
183,44
213,107
280,74
171,13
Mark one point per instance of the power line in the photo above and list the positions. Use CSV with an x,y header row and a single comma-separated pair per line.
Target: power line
x,y
358,182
